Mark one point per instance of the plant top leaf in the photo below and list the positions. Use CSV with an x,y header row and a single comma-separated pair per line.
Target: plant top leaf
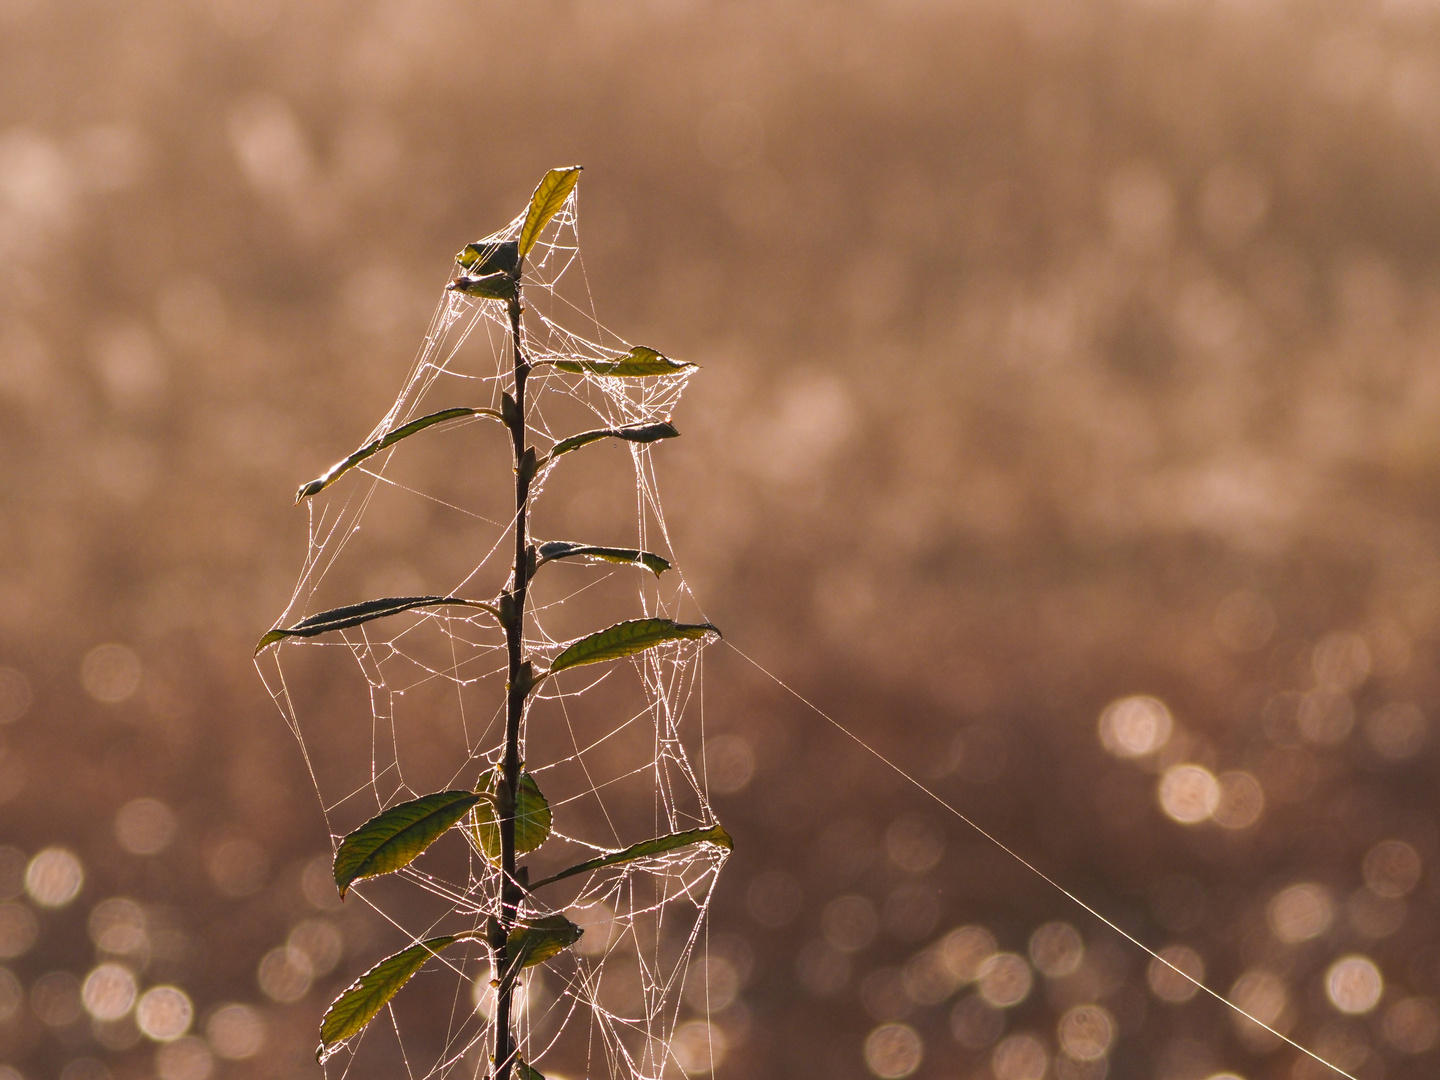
x,y
538,940
532,815
361,1000
626,639
498,286
637,433
340,468
646,849
492,257
550,195
571,549
342,618
637,363
395,837
527,1071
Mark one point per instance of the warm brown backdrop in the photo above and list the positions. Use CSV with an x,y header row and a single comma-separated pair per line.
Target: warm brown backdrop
x,y
1053,352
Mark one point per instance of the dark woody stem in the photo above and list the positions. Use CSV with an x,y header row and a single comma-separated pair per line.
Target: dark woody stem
x,y
517,691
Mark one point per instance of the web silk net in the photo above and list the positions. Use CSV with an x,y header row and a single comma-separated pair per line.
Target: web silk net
x,y
605,743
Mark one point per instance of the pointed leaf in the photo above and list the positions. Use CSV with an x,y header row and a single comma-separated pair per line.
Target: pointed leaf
x,y
532,815
499,286
395,837
527,1071
367,995
715,834
330,475
637,363
550,195
638,433
538,940
342,618
626,639
490,257
570,549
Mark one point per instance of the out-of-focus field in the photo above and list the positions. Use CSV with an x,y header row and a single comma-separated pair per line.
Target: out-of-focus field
x,y
1054,355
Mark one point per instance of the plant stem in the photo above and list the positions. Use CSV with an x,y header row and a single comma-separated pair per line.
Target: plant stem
x,y
517,690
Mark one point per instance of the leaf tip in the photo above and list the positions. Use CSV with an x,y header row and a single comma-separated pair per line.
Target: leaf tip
x,y
268,640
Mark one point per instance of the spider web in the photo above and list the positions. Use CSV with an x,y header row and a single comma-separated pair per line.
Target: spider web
x,y
605,748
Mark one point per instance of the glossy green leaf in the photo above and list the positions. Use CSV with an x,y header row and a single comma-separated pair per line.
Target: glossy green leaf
x,y
357,1005
550,195
637,363
395,837
570,549
637,433
342,618
532,815
626,639
494,257
499,286
538,940
715,834
330,475
525,1071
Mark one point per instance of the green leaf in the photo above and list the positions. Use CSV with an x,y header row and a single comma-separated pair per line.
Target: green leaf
x,y
626,639
526,1071
341,618
570,549
395,837
532,815
715,834
493,257
499,286
357,1005
637,363
638,433
330,475
550,195
538,940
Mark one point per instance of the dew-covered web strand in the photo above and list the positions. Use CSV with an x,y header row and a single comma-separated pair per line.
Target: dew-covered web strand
x,y
1012,853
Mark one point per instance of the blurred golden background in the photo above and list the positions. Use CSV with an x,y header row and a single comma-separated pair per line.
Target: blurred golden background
x,y
1068,427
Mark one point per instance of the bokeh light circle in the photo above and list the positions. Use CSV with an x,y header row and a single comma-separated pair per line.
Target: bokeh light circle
x,y
164,1013
1189,793
849,922
698,1047
145,826
1354,984
1135,726
1242,800
1005,980
965,950
1412,1025
109,992
1020,1057
1392,868
236,1032
110,673
1301,912
54,877
18,929
1086,1032
1171,985
893,1051
186,1058
1056,949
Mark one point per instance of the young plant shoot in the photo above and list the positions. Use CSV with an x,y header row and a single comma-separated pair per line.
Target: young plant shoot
x,y
504,919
